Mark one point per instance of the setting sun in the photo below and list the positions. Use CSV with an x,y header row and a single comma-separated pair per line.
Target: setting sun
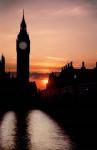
x,y
45,81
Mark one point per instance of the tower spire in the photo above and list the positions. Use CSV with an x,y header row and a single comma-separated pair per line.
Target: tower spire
x,y
23,15
23,23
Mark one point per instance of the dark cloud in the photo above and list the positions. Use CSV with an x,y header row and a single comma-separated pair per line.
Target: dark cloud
x,y
6,4
90,1
36,75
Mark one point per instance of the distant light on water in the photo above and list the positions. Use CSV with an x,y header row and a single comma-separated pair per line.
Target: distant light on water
x,y
8,131
45,134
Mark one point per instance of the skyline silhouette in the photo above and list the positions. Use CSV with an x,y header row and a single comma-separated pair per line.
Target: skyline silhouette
x,y
23,73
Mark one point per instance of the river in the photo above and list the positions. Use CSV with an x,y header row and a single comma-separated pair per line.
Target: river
x,y
41,132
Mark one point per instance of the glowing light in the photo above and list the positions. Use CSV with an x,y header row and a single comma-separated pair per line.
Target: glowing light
x,y
45,81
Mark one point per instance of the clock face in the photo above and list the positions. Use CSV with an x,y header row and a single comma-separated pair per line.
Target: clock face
x,y
22,45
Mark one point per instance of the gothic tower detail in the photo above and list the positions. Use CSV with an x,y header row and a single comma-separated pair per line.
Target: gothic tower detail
x,y
23,51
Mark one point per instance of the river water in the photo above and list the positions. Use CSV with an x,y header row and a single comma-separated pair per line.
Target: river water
x,y
42,133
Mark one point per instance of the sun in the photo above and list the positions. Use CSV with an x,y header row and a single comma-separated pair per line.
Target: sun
x,y
45,81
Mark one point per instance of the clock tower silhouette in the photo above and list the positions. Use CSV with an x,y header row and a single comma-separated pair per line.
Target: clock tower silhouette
x,y
23,51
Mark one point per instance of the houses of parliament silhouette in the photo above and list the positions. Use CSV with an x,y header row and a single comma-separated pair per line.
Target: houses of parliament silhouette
x,y
68,75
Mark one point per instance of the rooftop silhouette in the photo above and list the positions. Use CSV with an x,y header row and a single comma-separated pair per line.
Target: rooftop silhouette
x,y
70,76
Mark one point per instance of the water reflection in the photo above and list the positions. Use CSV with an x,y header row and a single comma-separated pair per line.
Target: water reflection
x,y
45,134
8,131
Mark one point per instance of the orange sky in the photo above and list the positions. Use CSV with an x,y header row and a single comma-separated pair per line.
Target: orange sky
x,y
60,31
40,81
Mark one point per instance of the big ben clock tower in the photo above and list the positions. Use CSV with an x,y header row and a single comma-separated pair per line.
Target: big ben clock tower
x,y
23,51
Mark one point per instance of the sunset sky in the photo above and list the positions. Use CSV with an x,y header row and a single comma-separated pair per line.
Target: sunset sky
x,y
60,31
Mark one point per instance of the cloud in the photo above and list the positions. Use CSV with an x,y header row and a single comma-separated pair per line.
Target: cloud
x,y
52,8
93,2
55,58
36,75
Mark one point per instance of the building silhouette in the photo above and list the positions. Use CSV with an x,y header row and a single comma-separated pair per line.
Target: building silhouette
x,y
18,85
70,76
2,65
23,51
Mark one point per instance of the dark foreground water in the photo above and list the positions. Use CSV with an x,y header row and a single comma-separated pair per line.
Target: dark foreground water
x,y
39,132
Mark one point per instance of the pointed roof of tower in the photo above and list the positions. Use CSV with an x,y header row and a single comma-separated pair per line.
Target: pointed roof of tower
x,y
23,23
2,57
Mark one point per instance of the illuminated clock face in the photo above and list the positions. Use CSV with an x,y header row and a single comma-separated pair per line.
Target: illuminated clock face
x,y
22,45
